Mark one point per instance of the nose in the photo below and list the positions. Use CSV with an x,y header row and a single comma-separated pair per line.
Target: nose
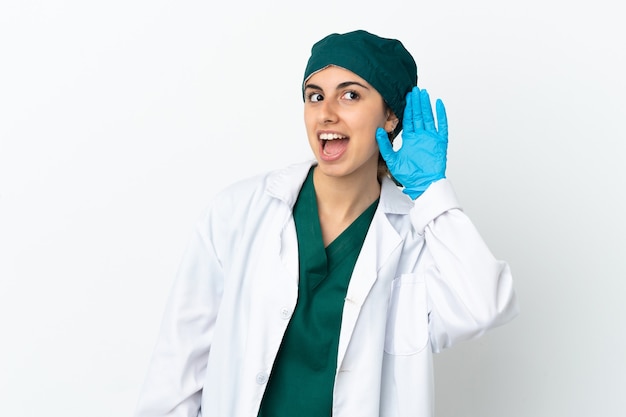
x,y
328,112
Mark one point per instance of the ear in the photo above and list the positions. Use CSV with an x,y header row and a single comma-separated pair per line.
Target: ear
x,y
392,122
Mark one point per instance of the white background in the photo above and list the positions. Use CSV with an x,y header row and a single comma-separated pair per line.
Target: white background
x,y
120,120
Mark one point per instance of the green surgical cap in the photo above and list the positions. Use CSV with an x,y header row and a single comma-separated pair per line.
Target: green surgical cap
x,y
384,63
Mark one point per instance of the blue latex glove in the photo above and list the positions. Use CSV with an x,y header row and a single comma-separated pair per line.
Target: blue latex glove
x,y
421,160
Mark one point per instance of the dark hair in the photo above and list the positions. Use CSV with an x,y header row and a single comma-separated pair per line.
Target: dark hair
x,y
383,170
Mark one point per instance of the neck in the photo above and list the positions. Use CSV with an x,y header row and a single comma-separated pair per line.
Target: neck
x,y
345,198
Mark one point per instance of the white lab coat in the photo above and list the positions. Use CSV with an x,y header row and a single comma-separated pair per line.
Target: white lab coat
x,y
424,280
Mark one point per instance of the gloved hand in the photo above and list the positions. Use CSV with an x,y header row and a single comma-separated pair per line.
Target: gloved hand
x,y
421,160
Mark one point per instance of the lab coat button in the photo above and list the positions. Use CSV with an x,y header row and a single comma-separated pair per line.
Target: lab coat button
x,y
285,313
261,378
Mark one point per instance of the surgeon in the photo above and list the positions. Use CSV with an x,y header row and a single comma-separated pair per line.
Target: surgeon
x,y
324,288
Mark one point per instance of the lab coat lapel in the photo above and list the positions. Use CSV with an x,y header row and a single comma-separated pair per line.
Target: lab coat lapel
x,y
381,242
285,185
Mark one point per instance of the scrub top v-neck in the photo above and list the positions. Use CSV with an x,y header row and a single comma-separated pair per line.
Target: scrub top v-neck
x,y
302,379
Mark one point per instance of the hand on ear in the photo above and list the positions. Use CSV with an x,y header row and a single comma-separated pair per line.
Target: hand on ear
x,y
421,160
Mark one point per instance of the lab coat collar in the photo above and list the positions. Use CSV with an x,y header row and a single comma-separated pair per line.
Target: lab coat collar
x,y
285,185
392,199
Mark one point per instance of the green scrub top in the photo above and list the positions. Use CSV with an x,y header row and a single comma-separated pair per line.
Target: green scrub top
x,y
302,379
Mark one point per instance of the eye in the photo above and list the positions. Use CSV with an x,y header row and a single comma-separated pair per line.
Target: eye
x,y
315,97
351,95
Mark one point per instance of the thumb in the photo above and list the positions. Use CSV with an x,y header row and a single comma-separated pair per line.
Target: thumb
x,y
384,144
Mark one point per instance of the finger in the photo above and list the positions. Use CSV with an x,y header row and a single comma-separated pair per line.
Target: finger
x,y
442,119
427,112
416,109
407,119
384,145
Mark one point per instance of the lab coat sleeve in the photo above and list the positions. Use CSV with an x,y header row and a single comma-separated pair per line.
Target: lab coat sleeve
x,y
469,291
173,386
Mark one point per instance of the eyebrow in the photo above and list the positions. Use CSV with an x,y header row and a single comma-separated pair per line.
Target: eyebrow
x,y
339,87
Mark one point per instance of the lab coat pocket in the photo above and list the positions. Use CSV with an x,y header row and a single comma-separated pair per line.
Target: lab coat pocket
x,y
407,316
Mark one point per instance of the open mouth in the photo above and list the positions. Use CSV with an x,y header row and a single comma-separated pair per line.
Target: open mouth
x,y
333,144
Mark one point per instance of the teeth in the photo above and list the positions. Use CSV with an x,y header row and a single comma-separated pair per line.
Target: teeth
x,y
331,136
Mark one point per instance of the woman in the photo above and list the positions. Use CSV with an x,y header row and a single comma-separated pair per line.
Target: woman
x,y
323,288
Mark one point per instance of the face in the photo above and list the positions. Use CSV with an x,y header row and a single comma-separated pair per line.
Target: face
x,y
341,113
